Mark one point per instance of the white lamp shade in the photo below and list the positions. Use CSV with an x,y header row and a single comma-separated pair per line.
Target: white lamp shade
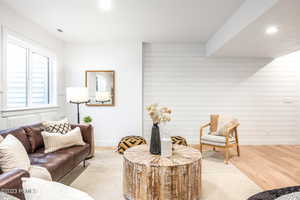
x,y
77,94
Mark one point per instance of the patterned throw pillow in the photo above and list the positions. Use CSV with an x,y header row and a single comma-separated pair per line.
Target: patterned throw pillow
x,y
62,126
179,140
130,141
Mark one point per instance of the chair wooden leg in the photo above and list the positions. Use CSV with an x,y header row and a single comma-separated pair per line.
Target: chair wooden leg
x,y
214,148
201,148
226,152
237,142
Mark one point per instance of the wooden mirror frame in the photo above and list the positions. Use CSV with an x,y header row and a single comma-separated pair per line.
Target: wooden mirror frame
x,y
114,85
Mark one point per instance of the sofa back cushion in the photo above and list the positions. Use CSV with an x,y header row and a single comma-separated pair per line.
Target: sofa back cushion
x,y
20,134
35,138
34,135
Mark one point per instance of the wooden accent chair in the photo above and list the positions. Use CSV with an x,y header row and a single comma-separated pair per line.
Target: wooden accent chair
x,y
220,135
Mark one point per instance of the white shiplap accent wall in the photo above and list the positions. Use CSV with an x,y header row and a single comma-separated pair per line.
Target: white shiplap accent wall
x,y
262,95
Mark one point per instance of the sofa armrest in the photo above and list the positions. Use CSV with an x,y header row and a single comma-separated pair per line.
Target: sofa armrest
x,y
11,183
87,132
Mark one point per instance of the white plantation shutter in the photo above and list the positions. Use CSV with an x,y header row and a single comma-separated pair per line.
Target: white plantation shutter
x,y
16,75
39,79
28,75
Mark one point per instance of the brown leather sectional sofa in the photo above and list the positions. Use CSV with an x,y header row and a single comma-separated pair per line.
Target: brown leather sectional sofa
x,y
58,163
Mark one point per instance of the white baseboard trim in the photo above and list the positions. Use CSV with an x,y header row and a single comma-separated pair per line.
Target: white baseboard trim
x,y
106,143
264,140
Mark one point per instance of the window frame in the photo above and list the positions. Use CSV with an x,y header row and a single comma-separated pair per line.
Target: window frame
x,y
31,47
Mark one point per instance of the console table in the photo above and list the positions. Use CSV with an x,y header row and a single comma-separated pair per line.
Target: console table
x,y
147,176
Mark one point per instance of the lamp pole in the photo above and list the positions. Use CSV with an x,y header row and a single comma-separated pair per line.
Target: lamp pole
x,y
78,113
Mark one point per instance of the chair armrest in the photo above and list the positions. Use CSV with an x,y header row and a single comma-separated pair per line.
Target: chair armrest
x,y
231,129
87,132
203,127
11,183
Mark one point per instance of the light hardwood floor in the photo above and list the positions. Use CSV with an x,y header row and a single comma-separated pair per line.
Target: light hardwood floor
x,y
270,167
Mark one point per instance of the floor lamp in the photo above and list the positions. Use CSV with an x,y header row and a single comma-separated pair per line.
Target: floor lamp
x,y
77,95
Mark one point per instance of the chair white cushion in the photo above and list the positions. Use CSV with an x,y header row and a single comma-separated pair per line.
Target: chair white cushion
x,y
56,141
216,140
38,189
13,154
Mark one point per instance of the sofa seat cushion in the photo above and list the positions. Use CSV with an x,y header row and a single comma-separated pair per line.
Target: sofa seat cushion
x,y
216,140
80,153
60,162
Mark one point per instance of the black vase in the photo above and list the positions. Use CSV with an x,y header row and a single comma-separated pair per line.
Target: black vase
x,y
155,146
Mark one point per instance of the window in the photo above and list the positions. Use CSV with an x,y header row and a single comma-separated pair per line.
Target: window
x,y
29,80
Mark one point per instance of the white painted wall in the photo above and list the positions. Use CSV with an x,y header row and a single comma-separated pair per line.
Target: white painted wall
x,y
27,29
264,97
125,118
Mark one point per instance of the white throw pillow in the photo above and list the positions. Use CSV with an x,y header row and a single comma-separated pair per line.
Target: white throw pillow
x,y
56,141
13,154
39,172
38,189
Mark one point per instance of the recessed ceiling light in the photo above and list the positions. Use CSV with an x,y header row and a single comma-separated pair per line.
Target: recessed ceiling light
x,y
272,30
60,30
105,5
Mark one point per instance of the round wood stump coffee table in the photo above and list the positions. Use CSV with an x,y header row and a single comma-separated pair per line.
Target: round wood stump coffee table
x,y
152,177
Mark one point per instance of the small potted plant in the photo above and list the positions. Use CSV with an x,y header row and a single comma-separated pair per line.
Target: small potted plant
x,y
87,119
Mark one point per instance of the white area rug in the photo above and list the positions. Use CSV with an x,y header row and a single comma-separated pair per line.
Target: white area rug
x,y
102,179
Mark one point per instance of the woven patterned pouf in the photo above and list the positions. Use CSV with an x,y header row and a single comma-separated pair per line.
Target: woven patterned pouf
x,y
179,140
130,141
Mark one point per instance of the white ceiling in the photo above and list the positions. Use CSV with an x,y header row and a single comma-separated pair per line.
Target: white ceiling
x,y
253,42
229,28
145,20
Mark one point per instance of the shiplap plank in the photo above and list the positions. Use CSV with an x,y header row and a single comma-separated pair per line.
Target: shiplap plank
x,y
263,95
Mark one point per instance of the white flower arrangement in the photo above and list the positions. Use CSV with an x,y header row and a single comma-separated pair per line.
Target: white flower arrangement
x,y
159,115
